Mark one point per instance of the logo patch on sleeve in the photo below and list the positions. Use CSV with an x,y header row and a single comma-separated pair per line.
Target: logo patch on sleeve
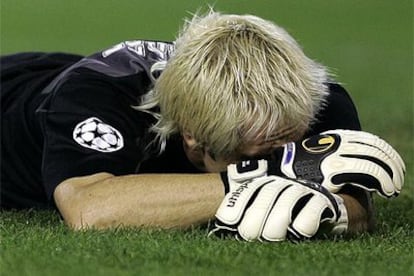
x,y
94,134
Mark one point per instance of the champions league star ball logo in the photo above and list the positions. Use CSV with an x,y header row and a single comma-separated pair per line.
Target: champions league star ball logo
x,y
94,134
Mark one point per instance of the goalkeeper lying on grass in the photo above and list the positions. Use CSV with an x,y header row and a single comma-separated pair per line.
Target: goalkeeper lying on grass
x,y
141,134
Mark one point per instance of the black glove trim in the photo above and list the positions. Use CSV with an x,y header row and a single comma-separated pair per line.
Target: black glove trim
x,y
225,180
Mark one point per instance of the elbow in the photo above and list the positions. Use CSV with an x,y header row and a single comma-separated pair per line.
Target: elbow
x,y
76,207
65,197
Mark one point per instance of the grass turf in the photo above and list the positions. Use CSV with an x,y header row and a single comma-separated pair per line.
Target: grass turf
x,y
37,243
367,43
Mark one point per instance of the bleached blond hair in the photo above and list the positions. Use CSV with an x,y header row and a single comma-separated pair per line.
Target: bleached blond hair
x,y
233,78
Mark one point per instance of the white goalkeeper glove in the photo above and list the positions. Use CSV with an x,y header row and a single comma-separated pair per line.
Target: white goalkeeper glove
x,y
273,208
339,157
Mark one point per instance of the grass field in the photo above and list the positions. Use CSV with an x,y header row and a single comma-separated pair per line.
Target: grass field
x,y
368,44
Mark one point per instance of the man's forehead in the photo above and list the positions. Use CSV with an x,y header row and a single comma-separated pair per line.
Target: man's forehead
x,y
265,143
278,134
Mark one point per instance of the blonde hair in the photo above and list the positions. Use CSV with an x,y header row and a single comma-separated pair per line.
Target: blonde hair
x,y
232,78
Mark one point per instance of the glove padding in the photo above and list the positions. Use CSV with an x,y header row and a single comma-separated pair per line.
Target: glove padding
x,y
273,208
336,158
339,157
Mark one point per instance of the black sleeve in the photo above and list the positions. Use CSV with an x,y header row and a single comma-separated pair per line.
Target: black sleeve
x,y
338,113
80,112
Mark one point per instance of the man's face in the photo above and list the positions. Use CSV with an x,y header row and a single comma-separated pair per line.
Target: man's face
x,y
203,160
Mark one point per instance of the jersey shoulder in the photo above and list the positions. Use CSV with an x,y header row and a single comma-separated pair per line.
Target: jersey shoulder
x,y
125,68
126,59
129,57
338,112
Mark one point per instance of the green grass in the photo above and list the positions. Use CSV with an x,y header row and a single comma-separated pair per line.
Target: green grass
x,y
368,44
37,243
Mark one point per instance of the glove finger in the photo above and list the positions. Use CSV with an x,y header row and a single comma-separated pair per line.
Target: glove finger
x,y
351,136
366,175
373,154
234,205
280,217
317,210
251,226
394,160
388,149
222,231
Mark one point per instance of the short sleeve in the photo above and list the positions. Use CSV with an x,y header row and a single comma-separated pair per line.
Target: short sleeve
x,y
91,127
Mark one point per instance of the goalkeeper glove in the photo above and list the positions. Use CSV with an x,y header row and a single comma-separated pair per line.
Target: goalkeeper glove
x,y
334,158
273,208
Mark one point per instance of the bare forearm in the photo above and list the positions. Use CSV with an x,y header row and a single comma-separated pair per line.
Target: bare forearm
x,y
361,216
162,200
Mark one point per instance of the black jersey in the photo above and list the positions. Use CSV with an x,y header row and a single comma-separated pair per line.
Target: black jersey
x,y
66,115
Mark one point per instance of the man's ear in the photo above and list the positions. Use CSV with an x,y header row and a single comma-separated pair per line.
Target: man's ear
x,y
189,140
